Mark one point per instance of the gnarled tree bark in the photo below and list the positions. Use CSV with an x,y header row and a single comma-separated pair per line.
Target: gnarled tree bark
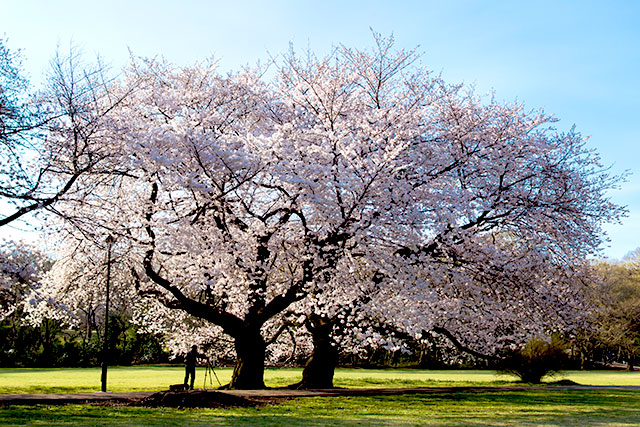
x,y
320,368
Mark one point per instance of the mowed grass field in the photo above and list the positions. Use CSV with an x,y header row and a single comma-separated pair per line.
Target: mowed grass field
x,y
529,408
553,406
156,378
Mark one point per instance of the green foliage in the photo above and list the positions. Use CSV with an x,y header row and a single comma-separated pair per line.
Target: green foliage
x,y
127,346
49,345
538,358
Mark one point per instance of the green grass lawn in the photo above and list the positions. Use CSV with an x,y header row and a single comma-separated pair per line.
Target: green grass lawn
x,y
155,378
529,407
534,407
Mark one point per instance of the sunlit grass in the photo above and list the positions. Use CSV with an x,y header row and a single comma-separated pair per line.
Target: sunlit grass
x,y
357,378
531,407
603,377
156,378
119,379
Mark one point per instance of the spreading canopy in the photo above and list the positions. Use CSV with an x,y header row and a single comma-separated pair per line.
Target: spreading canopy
x,y
241,199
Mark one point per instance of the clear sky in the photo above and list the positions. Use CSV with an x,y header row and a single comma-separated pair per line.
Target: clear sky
x,y
579,60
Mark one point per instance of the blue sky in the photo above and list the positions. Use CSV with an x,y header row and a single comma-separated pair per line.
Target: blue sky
x,y
579,60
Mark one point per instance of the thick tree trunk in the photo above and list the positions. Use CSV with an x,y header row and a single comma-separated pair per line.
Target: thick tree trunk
x,y
319,370
248,374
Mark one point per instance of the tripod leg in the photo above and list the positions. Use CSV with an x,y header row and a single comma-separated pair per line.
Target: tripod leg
x,y
214,373
204,384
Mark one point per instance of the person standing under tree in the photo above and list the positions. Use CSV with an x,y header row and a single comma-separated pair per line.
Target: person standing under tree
x,y
190,366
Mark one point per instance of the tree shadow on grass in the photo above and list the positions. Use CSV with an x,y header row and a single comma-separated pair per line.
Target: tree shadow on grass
x,y
529,407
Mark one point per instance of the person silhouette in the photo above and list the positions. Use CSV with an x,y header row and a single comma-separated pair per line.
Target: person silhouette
x,y
190,365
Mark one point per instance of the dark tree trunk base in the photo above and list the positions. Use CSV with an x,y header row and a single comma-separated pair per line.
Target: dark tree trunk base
x,y
248,374
319,370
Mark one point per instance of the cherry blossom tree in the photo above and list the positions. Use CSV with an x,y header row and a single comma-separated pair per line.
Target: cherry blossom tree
x,y
72,292
348,185
489,194
201,200
22,267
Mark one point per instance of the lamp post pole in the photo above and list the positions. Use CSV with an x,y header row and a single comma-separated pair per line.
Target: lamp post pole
x,y
105,341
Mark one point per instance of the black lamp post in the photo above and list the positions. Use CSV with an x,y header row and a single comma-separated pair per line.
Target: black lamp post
x,y
105,341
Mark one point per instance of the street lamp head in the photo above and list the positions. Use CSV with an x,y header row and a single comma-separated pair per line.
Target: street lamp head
x,y
110,240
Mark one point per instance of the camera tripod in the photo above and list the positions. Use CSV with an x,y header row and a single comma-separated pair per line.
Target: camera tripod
x,y
211,373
